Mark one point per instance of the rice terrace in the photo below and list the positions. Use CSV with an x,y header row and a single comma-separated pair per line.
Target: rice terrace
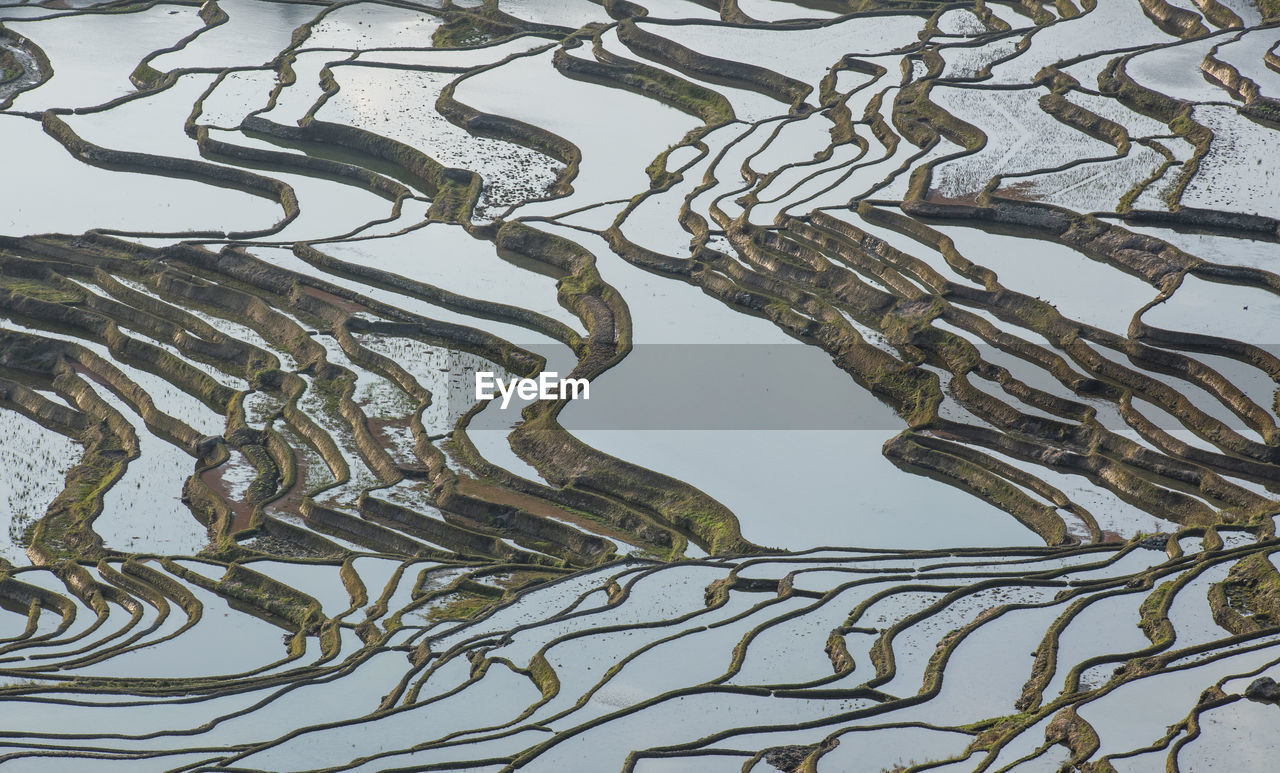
x,y
819,386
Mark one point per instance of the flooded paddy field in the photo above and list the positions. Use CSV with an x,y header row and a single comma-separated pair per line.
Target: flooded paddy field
x,y
932,409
